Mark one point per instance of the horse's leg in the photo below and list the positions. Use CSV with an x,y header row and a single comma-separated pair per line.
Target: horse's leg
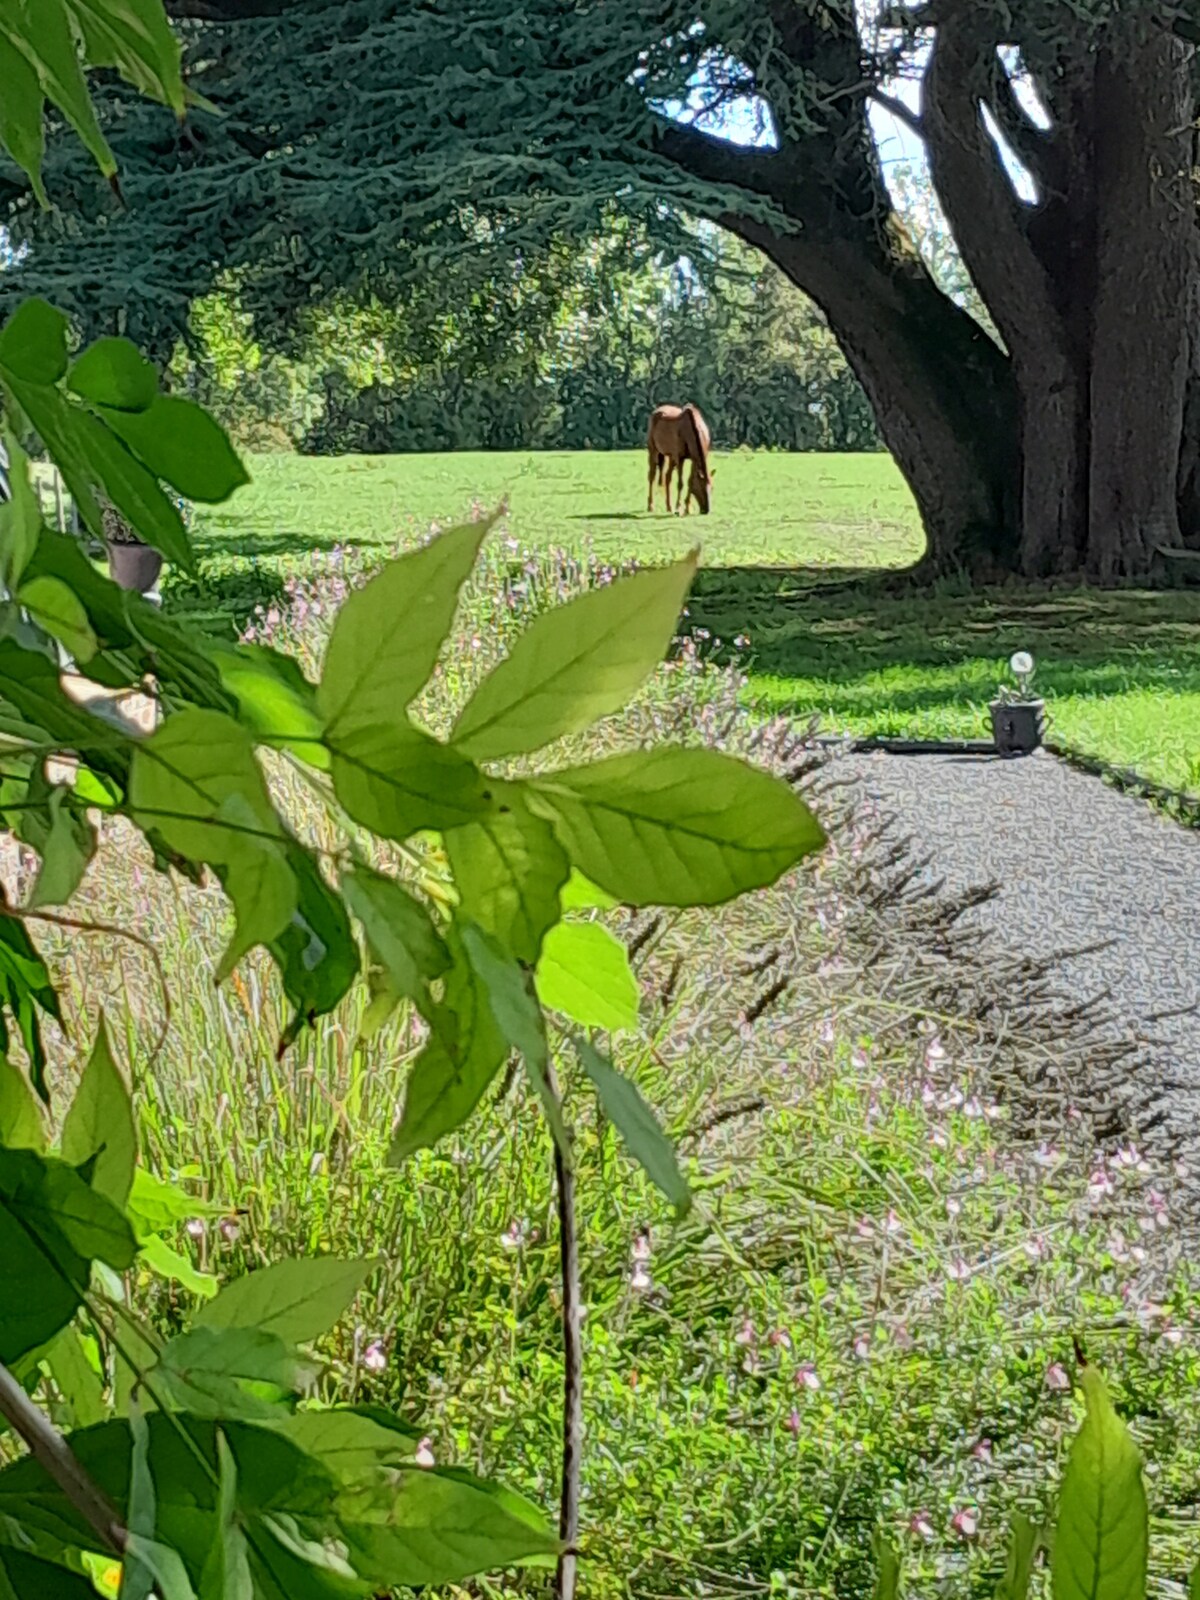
x,y
653,454
679,501
666,482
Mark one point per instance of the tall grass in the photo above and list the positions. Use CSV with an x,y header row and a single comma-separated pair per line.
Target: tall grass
x,y
869,1316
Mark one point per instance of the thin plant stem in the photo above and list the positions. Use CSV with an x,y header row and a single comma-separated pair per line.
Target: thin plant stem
x,y
572,1326
51,1450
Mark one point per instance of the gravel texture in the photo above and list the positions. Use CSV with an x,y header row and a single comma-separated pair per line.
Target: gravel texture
x,y
1077,863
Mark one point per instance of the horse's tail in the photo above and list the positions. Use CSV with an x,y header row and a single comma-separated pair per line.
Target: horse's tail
x,y
696,430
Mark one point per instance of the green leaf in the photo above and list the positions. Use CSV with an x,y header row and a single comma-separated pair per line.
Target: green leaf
x,y
230,1372
575,664
24,987
21,1123
259,881
276,701
466,1049
135,37
22,130
105,461
580,894
1102,1536
198,782
351,1444
397,781
168,1263
67,849
51,1227
399,931
296,1300
113,372
21,516
676,827
52,50
58,611
137,1574
887,1578
99,1123
509,870
439,1527
520,1020
317,953
1023,1550
179,442
226,1574
33,343
1194,1580
638,1126
387,636
162,1565
27,1578
584,972
76,1379
154,1205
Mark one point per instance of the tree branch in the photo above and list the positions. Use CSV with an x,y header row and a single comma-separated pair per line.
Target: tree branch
x,y
55,1456
224,10
901,112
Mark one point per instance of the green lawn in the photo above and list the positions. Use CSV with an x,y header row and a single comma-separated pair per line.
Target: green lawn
x,y
1121,672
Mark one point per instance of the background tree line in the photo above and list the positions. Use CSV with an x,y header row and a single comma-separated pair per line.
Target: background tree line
x,y
568,348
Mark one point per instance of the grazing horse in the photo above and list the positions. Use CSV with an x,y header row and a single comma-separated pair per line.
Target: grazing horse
x,y
678,434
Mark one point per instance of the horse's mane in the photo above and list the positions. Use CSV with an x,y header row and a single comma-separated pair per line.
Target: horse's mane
x,y
692,413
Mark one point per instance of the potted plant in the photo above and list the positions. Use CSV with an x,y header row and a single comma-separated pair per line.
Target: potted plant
x,y
1018,719
131,564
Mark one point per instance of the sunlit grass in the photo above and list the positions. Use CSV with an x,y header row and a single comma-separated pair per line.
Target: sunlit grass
x,y
1121,673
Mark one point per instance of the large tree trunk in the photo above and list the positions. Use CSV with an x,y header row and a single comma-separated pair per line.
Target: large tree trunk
x,y
1146,277
940,388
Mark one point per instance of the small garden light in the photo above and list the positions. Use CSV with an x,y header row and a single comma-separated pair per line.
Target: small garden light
x,y
1018,719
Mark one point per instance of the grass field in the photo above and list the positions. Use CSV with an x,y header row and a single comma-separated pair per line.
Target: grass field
x,y
1121,672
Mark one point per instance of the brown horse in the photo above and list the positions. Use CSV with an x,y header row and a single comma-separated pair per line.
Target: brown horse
x,y
678,434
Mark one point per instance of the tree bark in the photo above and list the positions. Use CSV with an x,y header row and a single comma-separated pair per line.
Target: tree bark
x,y
1146,281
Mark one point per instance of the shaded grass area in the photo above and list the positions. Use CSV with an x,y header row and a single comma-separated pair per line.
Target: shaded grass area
x,y
1121,672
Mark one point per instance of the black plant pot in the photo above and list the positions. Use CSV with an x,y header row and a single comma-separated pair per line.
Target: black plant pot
x,y
134,566
1018,727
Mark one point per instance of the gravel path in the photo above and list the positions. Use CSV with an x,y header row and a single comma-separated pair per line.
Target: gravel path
x,y
1077,862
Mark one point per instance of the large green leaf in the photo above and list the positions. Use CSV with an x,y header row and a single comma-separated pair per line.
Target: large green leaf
x,y
519,1018
169,1263
25,988
58,611
226,1574
20,516
21,1123
198,782
399,931
99,1124
387,636
179,442
135,37
95,457
276,701
22,132
887,1577
575,664
1101,1540
229,1372
676,827
509,870
77,1381
295,1300
114,372
439,1527
25,1577
33,343
351,1444
66,850
317,953
638,1126
51,1227
584,973
466,1049
139,1566
396,780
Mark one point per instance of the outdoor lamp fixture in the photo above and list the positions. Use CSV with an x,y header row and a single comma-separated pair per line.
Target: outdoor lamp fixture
x,y
1018,717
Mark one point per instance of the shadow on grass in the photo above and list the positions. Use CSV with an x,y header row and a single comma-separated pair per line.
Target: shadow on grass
x,y
222,602
245,539
868,645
